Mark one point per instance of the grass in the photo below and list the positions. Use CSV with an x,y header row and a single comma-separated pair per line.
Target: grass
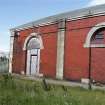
x,y
25,92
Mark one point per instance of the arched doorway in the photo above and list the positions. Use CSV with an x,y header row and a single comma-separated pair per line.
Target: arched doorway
x,y
33,45
33,56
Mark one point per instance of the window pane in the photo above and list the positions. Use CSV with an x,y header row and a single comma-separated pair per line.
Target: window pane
x,y
99,36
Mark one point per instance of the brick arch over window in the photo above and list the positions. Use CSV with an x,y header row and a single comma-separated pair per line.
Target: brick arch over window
x,y
91,32
31,36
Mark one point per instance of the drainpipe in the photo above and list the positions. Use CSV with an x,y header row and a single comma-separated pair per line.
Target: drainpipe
x,y
89,74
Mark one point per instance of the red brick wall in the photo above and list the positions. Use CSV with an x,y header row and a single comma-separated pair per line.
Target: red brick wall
x,y
18,56
76,56
48,54
98,64
76,59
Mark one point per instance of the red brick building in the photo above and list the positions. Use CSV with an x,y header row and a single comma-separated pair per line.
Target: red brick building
x,y
65,46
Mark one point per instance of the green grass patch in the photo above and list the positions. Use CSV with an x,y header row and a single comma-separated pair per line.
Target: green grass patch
x,y
26,92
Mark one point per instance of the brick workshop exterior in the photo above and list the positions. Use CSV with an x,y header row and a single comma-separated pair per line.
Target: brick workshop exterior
x,y
67,46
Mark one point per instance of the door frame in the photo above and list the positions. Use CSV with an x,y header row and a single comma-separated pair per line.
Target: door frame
x,y
28,38
28,61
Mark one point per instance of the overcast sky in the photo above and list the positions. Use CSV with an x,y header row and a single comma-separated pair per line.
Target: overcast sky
x,y
17,12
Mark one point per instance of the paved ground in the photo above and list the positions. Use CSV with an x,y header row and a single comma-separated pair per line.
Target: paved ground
x,y
61,82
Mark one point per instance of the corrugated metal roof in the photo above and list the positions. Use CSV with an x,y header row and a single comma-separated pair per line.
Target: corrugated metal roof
x,y
99,9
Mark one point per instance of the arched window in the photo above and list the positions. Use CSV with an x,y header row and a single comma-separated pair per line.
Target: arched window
x,y
33,43
98,37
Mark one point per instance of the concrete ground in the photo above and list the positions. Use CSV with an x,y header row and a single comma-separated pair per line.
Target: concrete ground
x,y
61,82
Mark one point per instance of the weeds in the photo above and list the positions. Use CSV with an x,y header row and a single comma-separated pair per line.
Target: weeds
x,y
45,85
25,92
